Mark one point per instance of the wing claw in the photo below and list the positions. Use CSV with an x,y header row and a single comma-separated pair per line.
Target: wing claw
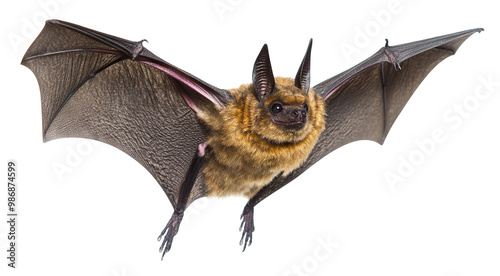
x,y
137,49
397,65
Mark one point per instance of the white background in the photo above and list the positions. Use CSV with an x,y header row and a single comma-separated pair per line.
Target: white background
x,y
102,215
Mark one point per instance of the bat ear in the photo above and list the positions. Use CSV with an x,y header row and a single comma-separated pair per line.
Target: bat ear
x,y
303,76
262,76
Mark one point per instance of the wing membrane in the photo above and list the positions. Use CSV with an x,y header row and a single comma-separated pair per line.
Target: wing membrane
x,y
113,90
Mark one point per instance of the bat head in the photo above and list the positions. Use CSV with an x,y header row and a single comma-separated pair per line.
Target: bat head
x,y
288,110
288,106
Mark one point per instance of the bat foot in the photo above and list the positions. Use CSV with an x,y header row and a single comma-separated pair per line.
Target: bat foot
x,y
247,226
169,232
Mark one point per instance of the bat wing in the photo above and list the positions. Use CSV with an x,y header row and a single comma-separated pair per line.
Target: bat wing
x,y
363,102
109,89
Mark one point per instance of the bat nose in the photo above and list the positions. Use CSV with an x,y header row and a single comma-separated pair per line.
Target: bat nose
x,y
299,113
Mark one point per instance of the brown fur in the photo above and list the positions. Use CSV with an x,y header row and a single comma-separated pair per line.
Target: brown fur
x,y
247,149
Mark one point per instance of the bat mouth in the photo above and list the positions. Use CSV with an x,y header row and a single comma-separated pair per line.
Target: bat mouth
x,y
290,117
293,124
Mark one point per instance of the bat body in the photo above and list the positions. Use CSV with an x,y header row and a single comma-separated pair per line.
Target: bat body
x,y
247,150
198,140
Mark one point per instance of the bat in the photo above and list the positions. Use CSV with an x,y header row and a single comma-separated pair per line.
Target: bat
x,y
198,140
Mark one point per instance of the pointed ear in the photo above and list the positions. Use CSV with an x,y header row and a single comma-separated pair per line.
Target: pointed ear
x,y
262,76
303,76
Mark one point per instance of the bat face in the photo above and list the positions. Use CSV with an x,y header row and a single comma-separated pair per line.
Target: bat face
x,y
288,115
289,111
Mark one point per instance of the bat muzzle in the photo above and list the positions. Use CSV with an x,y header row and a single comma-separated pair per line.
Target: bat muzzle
x,y
293,118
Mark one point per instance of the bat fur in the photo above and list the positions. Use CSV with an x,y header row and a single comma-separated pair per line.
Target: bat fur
x,y
247,149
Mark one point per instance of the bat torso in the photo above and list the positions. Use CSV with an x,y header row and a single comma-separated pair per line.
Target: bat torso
x,y
247,151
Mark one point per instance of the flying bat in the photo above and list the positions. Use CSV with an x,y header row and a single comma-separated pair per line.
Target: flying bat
x,y
198,140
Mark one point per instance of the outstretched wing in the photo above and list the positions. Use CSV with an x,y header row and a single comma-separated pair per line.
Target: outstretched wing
x,y
102,87
363,102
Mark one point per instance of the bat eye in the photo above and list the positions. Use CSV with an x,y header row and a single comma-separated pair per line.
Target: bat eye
x,y
306,107
276,108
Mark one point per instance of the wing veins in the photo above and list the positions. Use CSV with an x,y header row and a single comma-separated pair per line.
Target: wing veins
x,y
384,103
70,95
104,51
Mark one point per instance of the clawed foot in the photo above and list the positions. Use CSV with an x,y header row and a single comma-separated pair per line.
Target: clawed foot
x,y
247,227
170,231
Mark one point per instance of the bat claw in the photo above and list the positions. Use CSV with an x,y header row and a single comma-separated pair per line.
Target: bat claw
x,y
169,232
247,226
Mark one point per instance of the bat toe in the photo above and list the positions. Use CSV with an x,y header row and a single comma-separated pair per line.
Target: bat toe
x,y
247,226
169,232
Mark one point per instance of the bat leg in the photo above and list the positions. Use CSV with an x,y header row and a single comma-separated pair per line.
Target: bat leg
x,y
247,226
172,226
